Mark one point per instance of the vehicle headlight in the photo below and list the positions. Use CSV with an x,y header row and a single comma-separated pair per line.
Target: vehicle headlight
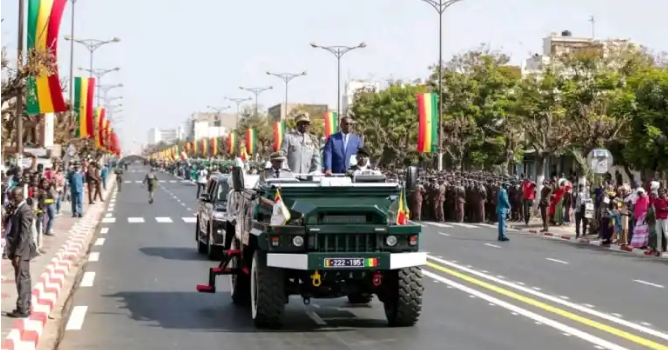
x,y
391,241
218,216
298,241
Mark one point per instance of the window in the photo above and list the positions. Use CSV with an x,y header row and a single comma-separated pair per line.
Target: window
x,y
221,191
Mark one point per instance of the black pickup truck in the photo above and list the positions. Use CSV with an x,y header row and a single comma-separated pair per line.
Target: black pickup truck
x,y
212,216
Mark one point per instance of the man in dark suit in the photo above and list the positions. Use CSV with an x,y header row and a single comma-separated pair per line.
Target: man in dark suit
x,y
340,148
20,250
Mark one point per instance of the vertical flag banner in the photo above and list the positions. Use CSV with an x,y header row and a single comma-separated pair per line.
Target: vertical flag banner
x,y
106,134
204,147
84,88
195,147
279,133
45,95
99,125
213,150
251,141
331,123
402,212
427,122
231,143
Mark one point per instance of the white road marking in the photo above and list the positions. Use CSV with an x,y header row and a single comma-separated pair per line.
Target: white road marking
x,y
138,182
646,324
164,220
108,215
557,261
488,225
649,283
189,220
493,245
99,241
526,313
108,220
111,208
444,234
172,181
464,225
135,220
87,279
440,224
94,256
589,306
127,181
556,300
617,315
104,230
564,297
77,317
161,181
317,319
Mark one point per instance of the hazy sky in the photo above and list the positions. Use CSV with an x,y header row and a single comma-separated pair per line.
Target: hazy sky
x,y
179,56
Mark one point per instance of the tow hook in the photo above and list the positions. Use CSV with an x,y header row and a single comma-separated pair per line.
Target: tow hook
x,y
377,279
316,280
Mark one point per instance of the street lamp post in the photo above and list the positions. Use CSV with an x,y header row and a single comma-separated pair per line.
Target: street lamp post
x,y
219,111
109,100
98,74
287,77
440,6
256,91
105,88
90,44
238,101
338,52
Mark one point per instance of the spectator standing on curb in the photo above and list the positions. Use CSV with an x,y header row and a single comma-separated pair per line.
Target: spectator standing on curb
x,y
528,197
580,219
21,249
661,225
50,198
103,174
545,194
75,181
59,184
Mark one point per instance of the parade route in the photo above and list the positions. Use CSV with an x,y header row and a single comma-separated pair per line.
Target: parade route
x,y
529,293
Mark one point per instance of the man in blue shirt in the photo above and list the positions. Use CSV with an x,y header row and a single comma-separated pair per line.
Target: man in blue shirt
x,y
502,210
103,174
76,181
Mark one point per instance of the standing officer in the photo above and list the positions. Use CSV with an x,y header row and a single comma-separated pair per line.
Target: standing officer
x,y
502,209
301,148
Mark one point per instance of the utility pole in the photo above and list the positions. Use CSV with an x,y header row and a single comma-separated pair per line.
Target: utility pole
x,y
90,44
287,77
238,101
592,20
23,86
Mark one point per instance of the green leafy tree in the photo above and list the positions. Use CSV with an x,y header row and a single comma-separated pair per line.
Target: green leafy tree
x,y
388,121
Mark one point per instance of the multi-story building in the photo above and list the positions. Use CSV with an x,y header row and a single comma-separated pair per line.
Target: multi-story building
x,y
156,135
278,112
205,125
351,88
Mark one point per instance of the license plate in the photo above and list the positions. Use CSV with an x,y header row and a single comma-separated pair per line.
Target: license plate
x,y
350,262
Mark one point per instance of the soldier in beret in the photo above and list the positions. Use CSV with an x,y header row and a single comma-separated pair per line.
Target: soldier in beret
x,y
301,148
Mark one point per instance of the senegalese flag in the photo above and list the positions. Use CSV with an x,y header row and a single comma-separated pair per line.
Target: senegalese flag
x,y
106,134
231,143
100,117
280,213
251,141
84,89
213,149
427,122
331,123
45,95
402,212
279,133
195,147
204,146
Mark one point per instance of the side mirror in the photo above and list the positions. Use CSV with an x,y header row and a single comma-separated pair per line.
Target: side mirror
x,y
238,178
411,178
204,197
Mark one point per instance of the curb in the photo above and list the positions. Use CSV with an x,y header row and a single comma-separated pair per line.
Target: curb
x,y
597,243
25,333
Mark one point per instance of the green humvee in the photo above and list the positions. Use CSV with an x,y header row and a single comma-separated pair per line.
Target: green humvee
x,y
340,238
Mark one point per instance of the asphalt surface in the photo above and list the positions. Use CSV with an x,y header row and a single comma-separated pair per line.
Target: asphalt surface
x,y
143,294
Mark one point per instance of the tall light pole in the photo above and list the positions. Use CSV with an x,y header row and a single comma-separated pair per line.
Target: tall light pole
x,y
287,77
98,74
256,91
238,101
19,98
440,6
219,111
90,44
338,52
109,100
105,88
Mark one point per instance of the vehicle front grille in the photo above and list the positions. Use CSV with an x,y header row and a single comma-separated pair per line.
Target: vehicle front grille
x,y
349,242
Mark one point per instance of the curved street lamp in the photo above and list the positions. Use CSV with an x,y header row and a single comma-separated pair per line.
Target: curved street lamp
x,y
287,77
98,74
90,44
338,52
238,101
219,111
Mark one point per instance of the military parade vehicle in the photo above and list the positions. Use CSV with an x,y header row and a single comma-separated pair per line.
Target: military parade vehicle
x,y
321,237
212,216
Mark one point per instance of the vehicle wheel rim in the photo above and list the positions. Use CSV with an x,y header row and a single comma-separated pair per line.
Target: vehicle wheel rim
x,y
253,289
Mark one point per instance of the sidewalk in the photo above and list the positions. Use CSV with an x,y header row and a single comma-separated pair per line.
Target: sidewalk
x,y
62,230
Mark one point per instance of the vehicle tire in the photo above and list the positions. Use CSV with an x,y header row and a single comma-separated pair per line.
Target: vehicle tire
x,y
404,303
267,291
359,298
201,247
239,283
213,252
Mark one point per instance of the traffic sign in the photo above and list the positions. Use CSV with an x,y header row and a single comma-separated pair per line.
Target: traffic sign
x,y
600,160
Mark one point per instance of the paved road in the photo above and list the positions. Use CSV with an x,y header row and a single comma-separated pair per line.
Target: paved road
x,y
142,296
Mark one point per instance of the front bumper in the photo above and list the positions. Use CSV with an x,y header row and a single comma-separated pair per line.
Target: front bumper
x,y
316,261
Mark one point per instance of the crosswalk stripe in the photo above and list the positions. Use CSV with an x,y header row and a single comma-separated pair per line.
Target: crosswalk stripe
x,y
172,181
164,220
137,182
464,225
135,220
190,220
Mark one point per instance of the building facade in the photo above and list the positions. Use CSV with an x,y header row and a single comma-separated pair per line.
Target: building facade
x,y
278,112
352,86
206,125
156,135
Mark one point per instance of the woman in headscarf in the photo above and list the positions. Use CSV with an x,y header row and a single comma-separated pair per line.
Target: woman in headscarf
x,y
557,204
640,237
